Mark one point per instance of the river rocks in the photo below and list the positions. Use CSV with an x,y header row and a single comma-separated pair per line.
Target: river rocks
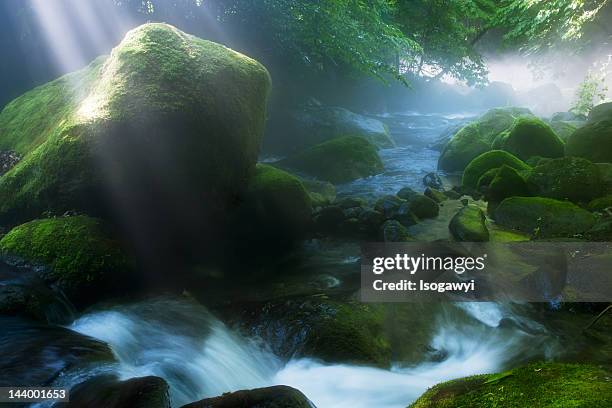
x,y
278,206
568,178
279,396
592,141
487,161
433,180
469,225
388,205
600,112
83,258
530,137
601,203
168,122
339,160
106,391
477,138
320,192
563,129
605,173
536,385
436,195
423,206
394,231
503,182
543,217
34,354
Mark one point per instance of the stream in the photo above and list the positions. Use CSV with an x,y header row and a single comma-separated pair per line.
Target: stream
x,y
199,356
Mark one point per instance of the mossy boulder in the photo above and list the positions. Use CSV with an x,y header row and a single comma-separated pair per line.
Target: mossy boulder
x,y
477,137
601,203
394,231
592,141
563,129
567,178
605,172
278,396
530,137
333,330
83,258
338,160
166,118
543,217
321,192
277,204
487,161
423,206
601,112
538,385
501,183
469,225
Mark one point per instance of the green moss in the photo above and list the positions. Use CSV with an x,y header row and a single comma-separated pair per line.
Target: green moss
x,y
82,256
338,160
538,385
507,182
469,225
563,129
351,333
160,93
487,161
592,141
423,206
530,137
568,178
543,217
477,138
601,203
278,202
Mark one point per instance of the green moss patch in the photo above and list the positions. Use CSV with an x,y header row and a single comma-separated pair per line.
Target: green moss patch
x,y
338,160
538,385
530,137
487,161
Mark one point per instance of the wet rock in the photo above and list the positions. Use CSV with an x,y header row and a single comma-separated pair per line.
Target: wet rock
x,y
388,205
279,396
600,112
435,195
423,206
321,192
108,392
487,161
351,202
405,193
394,231
405,216
35,354
432,180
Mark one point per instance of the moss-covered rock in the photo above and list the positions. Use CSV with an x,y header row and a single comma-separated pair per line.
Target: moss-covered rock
x,y
278,396
504,182
601,112
106,391
567,178
543,217
593,142
605,173
423,206
278,205
530,137
334,331
487,161
477,138
469,225
321,192
394,231
436,195
83,258
338,160
601,203
538,385
166,118
563,129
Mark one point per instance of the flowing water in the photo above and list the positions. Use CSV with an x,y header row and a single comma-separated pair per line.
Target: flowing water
x,y
200,357
182,342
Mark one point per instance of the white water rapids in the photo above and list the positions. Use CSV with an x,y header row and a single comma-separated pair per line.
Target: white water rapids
x,y
200,357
